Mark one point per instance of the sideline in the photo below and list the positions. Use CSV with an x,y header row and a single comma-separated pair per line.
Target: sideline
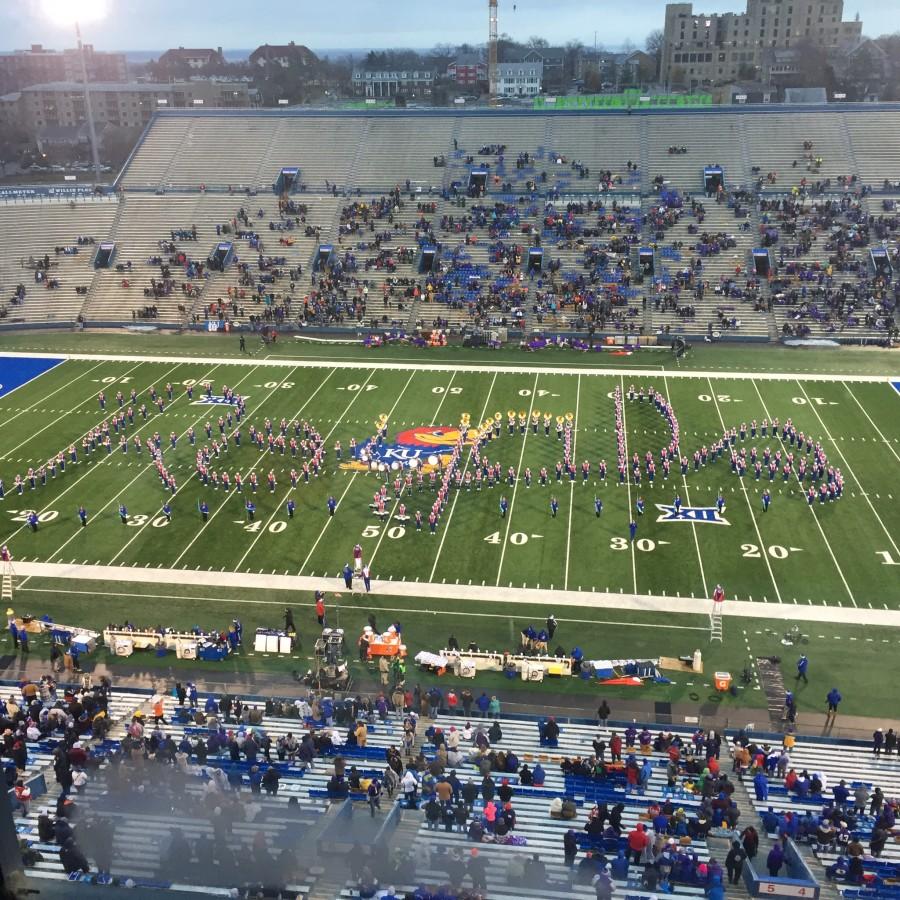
x,y
485,594
406,365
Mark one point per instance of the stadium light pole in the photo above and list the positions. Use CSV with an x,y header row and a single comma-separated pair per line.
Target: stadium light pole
x,y
68,13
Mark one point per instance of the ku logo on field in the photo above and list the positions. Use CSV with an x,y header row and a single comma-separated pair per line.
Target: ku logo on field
x,y
709,514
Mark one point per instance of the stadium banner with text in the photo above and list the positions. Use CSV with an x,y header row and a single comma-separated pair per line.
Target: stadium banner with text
x,y
53,191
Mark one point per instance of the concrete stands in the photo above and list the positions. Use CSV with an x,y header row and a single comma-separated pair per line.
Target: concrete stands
x,y
34,230
875,145
855,819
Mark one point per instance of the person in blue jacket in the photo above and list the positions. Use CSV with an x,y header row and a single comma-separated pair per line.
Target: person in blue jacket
x,y
761,786
833,699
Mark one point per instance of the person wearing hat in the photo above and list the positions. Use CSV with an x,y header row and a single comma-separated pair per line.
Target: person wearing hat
x,y
477,870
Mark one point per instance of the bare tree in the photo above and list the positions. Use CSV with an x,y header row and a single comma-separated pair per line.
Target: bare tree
x,y
654,42
654,46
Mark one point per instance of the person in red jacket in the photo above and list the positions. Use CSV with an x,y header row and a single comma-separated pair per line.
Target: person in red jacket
x,y
637,841
615,748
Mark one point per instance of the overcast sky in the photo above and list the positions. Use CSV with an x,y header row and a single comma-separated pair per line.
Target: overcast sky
x,y
358,24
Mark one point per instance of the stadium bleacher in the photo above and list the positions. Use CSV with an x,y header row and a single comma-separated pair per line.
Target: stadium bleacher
x,y
197,170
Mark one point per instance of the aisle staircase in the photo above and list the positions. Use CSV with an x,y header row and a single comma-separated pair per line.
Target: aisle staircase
x,y
646,174
847,135
361,149
266,171
773,684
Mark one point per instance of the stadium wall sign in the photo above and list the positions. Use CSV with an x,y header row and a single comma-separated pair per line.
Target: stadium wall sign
x,y
53,190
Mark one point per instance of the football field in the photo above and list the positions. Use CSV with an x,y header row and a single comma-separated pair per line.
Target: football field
x,y
837,552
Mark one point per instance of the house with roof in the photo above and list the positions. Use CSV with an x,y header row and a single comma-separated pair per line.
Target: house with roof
x,y
468,69
201,58
284,55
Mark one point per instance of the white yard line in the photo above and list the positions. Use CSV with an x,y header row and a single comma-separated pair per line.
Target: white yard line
x,y
815,517
479,593
104,460
687,497
512,502
384,529
406,365
59,418
762,543
396,502
45,398
446,527
443,398
575,428
628,483
224,502
862,490
142,469
280,505
865,412
330,519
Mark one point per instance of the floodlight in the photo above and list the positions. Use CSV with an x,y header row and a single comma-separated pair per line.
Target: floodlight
x,y
67,13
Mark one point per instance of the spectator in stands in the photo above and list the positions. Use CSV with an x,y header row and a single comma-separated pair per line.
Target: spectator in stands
x,y
638,840
860,799
71,857
878,839
750,841
734,862
603,713
775,859
761,786
477,871
410,785
570,847
877,741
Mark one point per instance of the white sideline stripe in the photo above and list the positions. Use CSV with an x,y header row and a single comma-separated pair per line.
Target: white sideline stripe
x,y
844,615
367,608
406,365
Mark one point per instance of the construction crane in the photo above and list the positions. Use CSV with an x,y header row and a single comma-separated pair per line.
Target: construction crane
x,y
492,51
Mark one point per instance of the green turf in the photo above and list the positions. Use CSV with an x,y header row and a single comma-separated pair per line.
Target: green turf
x,y
839,554
793,552
605,633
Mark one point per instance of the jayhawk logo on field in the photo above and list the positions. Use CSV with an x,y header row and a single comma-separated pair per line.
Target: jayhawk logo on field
x,y
415,444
